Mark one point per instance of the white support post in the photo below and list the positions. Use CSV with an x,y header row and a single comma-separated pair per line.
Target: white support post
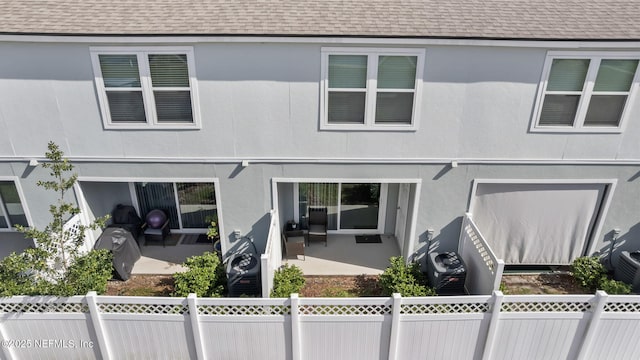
x,y
98,326
494,323
264,274
598,309
295,328
395,326
195,326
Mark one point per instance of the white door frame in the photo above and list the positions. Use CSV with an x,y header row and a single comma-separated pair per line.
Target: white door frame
x,y
405,251
403,207
610,185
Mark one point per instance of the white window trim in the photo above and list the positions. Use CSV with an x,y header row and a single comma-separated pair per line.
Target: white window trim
x,y
586,93
23,202
371,88
147,89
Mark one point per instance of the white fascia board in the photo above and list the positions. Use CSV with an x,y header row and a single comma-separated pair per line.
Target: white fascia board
x,y
547,44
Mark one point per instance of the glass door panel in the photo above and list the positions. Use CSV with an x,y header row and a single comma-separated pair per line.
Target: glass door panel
x,y
359,206
316,195
197,205
152,195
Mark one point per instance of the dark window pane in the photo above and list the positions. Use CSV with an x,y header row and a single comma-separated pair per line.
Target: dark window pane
x,y
12,204
359,206
161,196
394,108
567,74
397,72
346,107
605,110
169,70
615,75
126,106
197,204
559,110
173,106
348,71
120,70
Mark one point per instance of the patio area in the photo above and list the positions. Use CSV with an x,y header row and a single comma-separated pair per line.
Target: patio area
x,y
343,256
157,259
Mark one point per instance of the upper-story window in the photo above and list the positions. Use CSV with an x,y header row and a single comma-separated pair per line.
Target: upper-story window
x,y
586,91
11,210
371,89
146,87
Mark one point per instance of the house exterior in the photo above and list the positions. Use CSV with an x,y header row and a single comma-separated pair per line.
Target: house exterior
x,y
399,118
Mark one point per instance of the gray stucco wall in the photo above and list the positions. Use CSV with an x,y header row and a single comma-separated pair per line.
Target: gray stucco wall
x,y
262,101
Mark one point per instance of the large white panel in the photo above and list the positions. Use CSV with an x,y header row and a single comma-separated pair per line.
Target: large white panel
x,y
150,339
51,337
246,339
615,339
533,339
442,339
355,340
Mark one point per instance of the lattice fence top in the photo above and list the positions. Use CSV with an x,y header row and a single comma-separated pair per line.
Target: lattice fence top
x,y
622,307
545,306
344,310
465,308
175,309
479,245
43,308
244,310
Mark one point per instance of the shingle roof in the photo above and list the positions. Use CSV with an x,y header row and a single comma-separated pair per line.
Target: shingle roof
x,y
502,19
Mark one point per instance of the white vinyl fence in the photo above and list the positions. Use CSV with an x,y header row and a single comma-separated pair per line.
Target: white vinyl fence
x,y
464,327
271,260
484,269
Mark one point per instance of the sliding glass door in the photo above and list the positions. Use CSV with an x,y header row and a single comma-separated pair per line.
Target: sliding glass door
x,y
359,206
350,206
188,205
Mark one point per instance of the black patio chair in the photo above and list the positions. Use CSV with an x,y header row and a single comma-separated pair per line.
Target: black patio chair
x,y
317,224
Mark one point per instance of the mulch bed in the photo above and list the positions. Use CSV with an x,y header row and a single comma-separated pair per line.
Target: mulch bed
x,y
354,286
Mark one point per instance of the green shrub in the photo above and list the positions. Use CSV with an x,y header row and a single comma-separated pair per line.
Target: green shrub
x,y
89,272
588,271
614,287
205,277
404,279
286,281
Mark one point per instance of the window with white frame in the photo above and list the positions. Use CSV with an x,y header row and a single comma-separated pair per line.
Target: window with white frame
x,y
586,91
11,209
371,89
148,87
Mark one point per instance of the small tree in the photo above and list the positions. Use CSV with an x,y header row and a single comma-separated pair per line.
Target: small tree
x,y
55,266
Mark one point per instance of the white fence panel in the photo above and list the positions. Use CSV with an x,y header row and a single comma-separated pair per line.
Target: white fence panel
x,y
616,336
271,260
552,327
484,269
355,329
443,328
147,328
47,328
245,328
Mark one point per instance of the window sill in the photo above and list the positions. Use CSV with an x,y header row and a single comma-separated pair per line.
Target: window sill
x,y
571,130
349,127
191,126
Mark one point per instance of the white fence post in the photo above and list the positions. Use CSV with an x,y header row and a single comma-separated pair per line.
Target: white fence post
x,y
395,326
195,325
494,323
295,328
7,351
98,326
587,342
